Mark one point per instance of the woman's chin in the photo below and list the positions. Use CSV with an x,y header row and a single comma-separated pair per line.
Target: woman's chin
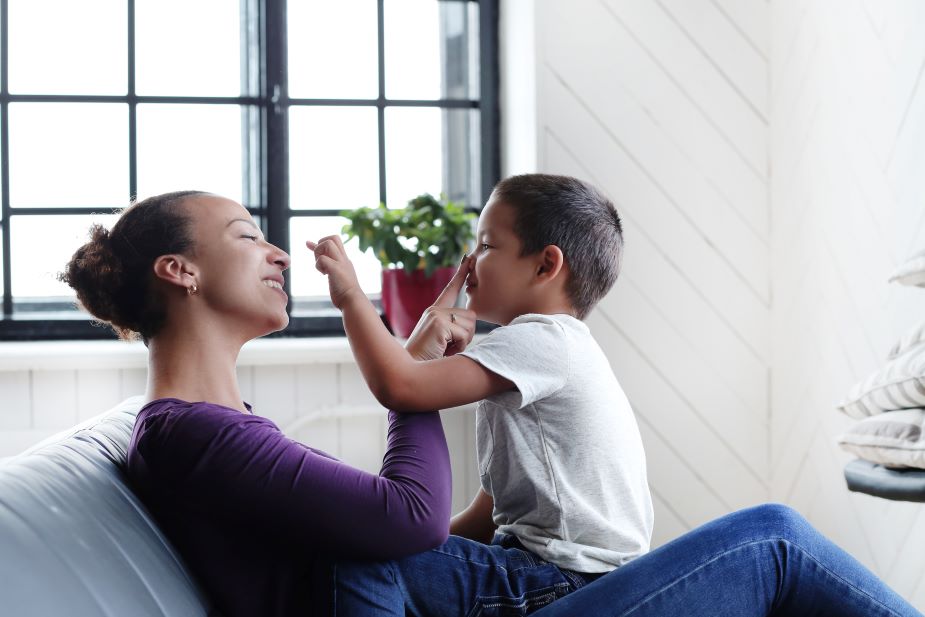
x,y
275,324
283,323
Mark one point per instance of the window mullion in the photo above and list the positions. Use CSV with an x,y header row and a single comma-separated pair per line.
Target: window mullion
x,y
380,103
132,106
5,155
275,91
488,94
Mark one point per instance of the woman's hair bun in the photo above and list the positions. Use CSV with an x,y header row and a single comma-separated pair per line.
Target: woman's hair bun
x,y
96,274
112,273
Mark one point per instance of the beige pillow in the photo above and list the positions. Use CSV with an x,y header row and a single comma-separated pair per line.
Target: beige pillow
x,y
912,272
893,439
900,384
910,339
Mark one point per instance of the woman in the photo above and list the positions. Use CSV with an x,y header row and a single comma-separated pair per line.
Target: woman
x,y
258,516
249,509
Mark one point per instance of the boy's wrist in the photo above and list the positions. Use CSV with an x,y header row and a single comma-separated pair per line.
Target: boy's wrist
x,y
349,298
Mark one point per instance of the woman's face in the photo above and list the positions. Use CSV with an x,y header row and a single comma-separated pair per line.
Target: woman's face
x,y
240,274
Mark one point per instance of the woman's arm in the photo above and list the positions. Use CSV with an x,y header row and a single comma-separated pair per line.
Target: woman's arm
x,y
397,380
243,468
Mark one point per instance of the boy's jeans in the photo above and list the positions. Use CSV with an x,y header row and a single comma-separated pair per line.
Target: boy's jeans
x,y
761,561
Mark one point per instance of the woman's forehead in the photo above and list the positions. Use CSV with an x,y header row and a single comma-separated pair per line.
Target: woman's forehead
x,y
216,211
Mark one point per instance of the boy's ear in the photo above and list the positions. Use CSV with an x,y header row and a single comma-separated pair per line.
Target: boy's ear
x,y
174,269
551,261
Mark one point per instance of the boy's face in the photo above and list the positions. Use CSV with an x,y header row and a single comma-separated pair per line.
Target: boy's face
x,y
499,286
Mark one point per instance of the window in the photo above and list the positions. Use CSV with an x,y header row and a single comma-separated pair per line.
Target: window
x,y
296,111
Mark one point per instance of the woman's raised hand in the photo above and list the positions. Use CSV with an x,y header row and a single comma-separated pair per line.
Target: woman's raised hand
x,y
443,329
331,260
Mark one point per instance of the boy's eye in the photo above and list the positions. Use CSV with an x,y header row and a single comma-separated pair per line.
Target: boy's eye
x,y
254,238
485,247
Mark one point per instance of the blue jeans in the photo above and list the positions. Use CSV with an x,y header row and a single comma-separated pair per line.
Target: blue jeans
x,y
766,560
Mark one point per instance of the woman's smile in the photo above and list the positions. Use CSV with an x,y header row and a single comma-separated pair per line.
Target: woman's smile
x,y
275,285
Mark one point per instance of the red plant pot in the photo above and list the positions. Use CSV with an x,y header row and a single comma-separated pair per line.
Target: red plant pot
x,y
405,296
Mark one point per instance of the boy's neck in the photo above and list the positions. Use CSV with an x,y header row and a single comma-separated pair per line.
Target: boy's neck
x,y
546,308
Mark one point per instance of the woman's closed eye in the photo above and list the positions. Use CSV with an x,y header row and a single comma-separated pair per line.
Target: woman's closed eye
x,y
254,238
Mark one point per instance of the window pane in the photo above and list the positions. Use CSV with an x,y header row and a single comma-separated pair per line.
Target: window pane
x,y
431,49
195,147
67,47
68,154
305,279
432,151
333,49
188,48
34,271
333,157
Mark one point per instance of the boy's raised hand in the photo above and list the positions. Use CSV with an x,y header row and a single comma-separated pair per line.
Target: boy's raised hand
x,y
443,329
331,260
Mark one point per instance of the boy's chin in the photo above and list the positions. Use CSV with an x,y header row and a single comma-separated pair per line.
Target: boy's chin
x,y
480,314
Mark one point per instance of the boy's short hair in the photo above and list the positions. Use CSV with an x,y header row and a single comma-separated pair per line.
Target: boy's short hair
x,y
577,218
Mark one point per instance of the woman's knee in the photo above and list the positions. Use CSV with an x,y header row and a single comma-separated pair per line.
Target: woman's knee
x,y
780,521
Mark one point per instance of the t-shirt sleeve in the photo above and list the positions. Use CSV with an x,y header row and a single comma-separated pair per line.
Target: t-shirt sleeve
x,y
531,354
243,467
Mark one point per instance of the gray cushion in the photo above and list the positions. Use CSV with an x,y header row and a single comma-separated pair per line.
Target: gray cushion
x,y
899,384
895,438
75,540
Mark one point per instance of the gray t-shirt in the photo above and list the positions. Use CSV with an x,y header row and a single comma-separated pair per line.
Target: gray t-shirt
x,y
561,455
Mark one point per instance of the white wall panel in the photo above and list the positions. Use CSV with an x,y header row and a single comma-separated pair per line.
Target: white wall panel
x,y
663,105
97,391
847,142
17,401
54,399
134,381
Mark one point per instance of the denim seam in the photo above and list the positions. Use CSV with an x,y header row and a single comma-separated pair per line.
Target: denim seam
x,y
746,545
577,581
479,563
843,580
531,599
692,572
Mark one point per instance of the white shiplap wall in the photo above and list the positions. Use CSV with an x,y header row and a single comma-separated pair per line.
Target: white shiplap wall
x,y
663,105
848,204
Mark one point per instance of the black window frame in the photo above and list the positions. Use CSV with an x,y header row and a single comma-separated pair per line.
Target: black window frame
x,y
265,165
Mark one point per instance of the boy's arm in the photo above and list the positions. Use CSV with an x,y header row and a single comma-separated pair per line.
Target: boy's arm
x,y
475,522
397,380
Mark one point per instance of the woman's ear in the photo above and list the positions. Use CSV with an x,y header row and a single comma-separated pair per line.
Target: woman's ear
x,y
174,269
551,261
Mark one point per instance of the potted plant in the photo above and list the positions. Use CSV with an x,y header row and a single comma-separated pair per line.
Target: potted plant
x,y
419,247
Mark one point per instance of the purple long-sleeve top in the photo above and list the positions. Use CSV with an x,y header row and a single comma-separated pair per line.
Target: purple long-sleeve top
x,y
254,513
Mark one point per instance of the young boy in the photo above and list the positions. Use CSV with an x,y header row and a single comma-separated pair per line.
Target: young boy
x,y
559,452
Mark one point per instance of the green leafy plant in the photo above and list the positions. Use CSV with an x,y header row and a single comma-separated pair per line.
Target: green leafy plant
x,y
427,233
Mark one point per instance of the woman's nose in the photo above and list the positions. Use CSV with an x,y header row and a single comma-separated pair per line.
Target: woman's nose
x,y
280,257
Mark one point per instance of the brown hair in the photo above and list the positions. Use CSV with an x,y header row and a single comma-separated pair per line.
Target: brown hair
x,y
577,218
112,273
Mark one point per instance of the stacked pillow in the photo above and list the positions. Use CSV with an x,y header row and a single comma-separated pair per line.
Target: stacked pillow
x,y
890,403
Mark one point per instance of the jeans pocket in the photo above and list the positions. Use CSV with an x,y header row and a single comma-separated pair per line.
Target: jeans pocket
x,y
524,604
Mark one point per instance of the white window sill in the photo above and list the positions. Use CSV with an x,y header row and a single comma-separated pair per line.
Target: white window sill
x,y
73,355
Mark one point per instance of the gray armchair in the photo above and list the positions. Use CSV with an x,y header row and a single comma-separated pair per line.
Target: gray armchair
x,y
75,540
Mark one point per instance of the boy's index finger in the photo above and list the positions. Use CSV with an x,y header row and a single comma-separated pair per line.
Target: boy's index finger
x,y
447,297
